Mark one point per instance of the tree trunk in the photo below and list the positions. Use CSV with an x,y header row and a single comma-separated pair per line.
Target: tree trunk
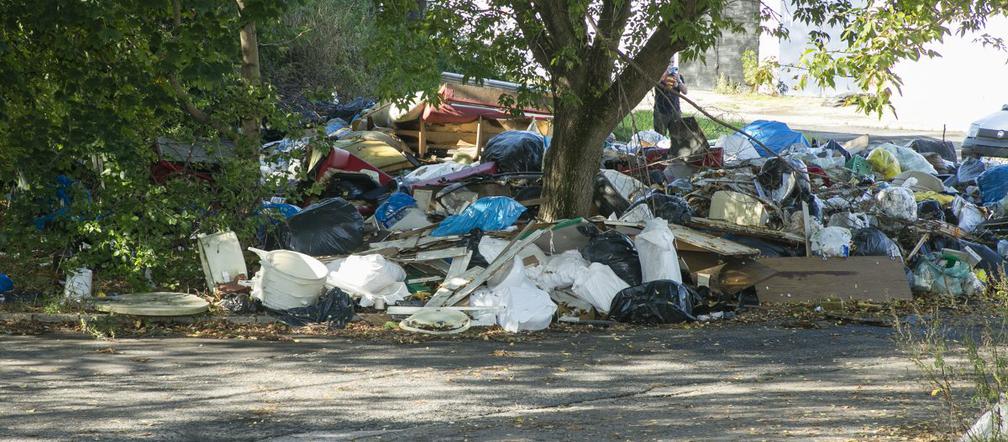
x,y
250,72
573,161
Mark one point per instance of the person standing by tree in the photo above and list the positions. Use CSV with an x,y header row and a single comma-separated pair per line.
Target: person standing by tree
x,y
667,112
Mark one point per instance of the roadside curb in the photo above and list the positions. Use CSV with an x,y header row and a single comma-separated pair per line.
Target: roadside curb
x,y
68,318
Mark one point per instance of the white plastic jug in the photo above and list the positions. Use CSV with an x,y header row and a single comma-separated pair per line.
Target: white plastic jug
x,y
288,279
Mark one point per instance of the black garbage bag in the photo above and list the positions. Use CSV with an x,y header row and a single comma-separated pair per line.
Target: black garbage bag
x,y
928,145
515,151
671,208
783,179
329,227
335,308
617,251
240,303
930,209
870,241
657,302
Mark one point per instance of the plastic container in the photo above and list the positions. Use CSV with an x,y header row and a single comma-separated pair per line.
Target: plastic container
x,y
78,284
288,279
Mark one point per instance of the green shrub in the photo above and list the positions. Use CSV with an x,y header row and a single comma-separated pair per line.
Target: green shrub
x,y
759,73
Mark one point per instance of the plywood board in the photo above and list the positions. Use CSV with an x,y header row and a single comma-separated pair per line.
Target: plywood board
x,y
802,279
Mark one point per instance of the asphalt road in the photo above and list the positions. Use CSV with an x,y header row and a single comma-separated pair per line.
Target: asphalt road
x,y
735,382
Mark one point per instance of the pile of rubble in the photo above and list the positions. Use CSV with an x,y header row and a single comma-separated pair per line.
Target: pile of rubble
x,y
684,231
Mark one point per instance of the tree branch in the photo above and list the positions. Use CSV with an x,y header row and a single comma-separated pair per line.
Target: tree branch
x,y
540,43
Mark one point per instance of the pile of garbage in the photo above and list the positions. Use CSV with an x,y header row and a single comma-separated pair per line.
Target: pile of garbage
x,y
684,230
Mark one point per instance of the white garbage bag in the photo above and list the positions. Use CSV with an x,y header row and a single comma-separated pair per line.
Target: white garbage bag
x,y
831,241
484,297
598,286
897,203
657,253
371,277
525,306
559,272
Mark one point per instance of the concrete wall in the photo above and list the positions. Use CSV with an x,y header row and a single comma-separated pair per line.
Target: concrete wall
x,y
725,58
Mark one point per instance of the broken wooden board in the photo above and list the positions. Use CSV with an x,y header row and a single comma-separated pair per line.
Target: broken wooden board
x,y
450,285
722,226
804,279
688,239
505,258
433,255
413,242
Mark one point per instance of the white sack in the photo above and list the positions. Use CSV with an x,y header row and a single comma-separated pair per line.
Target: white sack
x,y
598,286
657,253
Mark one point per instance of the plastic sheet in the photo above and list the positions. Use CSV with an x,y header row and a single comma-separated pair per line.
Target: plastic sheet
x,y
656,302
334,309
671,208
598,285
6,283
897,203
908,159
615,250
884,163
776,135
656,249
993,184
852,221
487,214
938,275
970,169
970,217
431,171
515,151
394,208
872,242
944,148
329,227
831,242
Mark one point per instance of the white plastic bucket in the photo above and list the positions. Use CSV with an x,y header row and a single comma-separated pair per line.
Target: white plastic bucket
x,y
289,279
78,284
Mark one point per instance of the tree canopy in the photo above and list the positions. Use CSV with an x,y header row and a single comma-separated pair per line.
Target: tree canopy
x,y
598,58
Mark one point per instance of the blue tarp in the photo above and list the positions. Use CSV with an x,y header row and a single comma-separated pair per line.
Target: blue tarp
x,y
775,135
993,184
6,284
487,214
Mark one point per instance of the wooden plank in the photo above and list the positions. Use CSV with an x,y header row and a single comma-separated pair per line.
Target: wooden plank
x,y
776,235
459,265
432,255
422,139
503,259
449,286
805,279
806,228
693,240
480,141
413,242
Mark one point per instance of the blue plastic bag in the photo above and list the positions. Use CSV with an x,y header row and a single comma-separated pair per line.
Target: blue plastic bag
x,y
6,284
394,208
775,135
993,184
487,214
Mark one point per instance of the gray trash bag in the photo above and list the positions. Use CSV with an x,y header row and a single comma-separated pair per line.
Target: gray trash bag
x,y
656,302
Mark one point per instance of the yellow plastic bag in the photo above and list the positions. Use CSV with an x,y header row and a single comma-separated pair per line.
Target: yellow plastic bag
x,y
931,195
884,163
